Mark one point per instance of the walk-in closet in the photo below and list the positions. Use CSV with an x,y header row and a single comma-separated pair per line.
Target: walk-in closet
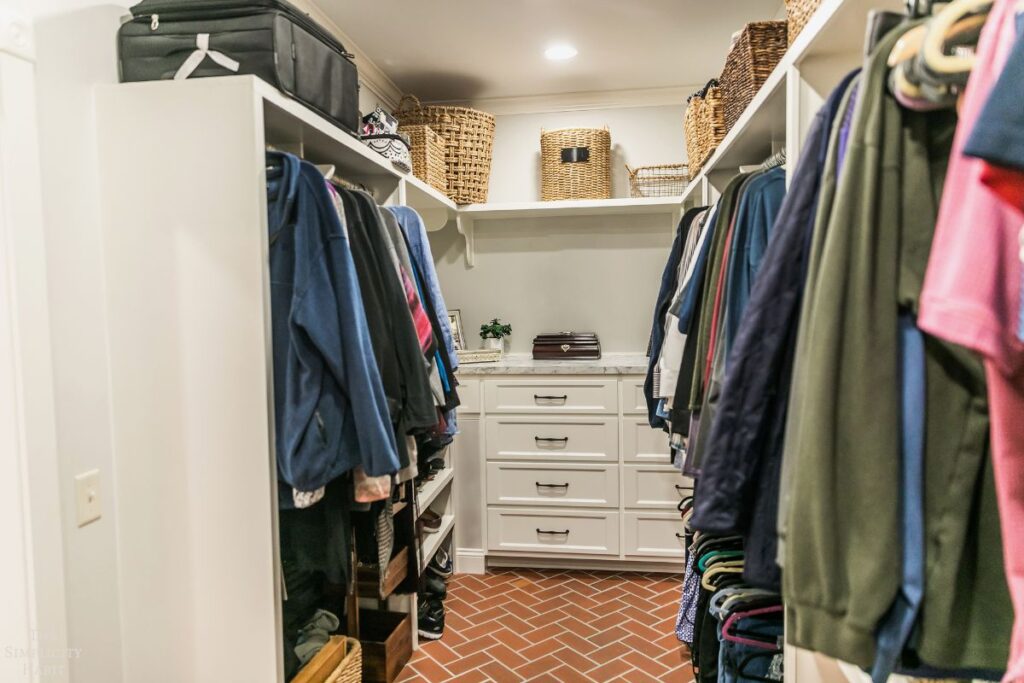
x,y
577,341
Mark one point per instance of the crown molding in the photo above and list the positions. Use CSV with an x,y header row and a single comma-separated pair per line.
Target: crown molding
x,y
580,101
370,75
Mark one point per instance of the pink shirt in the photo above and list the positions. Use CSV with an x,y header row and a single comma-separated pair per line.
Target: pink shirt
x,y
972,297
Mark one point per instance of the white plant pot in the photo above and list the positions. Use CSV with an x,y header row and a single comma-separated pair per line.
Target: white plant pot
x,y
494,344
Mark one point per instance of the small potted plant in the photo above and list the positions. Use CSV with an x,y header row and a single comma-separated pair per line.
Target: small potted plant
x,y
494,333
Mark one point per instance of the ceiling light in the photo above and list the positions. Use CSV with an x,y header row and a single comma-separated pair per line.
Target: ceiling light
x,y
561,52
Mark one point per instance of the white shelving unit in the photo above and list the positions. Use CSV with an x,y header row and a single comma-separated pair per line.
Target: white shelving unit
x,y
433,542
830,45
432,489
187,273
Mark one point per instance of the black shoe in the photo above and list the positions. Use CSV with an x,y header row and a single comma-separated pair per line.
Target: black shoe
x,y
430,521
442,564
430,605
431,625
434,587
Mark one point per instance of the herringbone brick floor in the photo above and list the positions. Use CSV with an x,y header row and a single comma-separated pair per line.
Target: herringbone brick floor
x,y
556,626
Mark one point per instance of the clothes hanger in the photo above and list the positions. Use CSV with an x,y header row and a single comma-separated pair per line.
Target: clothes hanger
x,y
741,637
933,49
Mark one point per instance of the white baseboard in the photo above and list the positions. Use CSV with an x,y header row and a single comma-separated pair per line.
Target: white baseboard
x,y
470,561
658,566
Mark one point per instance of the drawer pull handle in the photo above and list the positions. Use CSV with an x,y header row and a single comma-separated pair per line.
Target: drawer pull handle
x,y
551,486
563,398
551,439
683,489
556,533
680,536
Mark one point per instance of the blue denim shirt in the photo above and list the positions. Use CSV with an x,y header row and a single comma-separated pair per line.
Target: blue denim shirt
x,y
329,404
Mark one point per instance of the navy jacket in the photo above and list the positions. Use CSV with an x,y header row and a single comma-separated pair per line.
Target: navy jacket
x,y
329,404
739,486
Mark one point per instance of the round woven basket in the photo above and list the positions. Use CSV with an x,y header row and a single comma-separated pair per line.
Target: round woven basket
x,y
575,163
469,140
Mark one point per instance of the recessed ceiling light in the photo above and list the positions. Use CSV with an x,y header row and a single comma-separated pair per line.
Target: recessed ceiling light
x,y
560,52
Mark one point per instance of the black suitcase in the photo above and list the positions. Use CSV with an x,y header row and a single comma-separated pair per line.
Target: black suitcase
x,y
267,38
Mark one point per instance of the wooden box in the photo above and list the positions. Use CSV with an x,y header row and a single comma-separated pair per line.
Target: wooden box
x,y
387,644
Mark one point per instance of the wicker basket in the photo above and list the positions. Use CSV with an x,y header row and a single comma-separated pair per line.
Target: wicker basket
x,y
575,163
427,155
704,124
339,661
750,62
798,13
469,139
666,180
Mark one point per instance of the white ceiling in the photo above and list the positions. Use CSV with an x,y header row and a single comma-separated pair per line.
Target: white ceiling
x,y
474,49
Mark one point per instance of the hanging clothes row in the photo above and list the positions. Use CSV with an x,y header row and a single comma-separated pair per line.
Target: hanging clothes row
x,y
364,384
850,404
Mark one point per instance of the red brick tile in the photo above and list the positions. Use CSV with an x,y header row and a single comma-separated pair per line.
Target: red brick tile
x,y
487,615
507,656
574,659
473,676
607,653
513,640
644,647
636,676
438,651
538,666
499,673
471,662
577,643
609,671
541,648
519,609
646,664
431,670
609,636
574,625
474,645
565,674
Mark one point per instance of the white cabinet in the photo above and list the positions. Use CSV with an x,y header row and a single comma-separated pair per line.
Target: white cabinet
x,y
571,473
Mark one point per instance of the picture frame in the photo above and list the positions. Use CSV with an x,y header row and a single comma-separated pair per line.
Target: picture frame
x,y
455,322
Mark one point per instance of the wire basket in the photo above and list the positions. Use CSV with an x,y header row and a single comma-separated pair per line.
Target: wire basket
x,y
665,180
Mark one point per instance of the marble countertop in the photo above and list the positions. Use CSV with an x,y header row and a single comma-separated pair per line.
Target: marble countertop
x,y
524,364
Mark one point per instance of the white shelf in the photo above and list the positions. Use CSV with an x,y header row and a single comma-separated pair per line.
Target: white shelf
x,y
434,541
826,43
433,488
571,207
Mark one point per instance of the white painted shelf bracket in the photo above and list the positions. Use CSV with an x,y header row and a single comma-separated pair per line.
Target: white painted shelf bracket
x,y
465,226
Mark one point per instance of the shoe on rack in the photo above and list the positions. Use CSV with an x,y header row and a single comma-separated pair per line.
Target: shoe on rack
x,y
431,521
430,605
442,564
431,624
434,587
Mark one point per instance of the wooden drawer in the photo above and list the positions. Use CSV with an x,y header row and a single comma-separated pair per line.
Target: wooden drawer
x,y
553,531
554,439
640,443
469,395
653,486
551,396
653,534
632,400
513,483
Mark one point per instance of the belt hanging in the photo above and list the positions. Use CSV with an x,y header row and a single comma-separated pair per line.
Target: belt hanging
x,y
201,52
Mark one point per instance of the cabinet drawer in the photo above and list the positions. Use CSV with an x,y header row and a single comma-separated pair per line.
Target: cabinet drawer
x,y
555,439
510,483
654,534
640,443
551,396
632,398
469,395
553,531
653,486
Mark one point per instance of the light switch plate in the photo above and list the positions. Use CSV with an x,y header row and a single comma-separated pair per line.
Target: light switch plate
x,y
87,497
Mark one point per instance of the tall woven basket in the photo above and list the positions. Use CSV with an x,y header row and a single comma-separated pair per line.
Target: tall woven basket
x,y
469,140
798,13
575,164
704,124
427,149
750,62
